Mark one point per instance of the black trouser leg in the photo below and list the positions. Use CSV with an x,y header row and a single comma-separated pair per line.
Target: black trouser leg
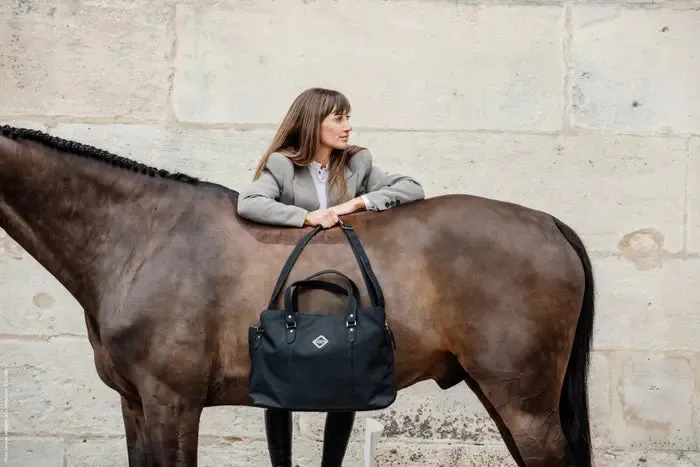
x,y
335,437
278,429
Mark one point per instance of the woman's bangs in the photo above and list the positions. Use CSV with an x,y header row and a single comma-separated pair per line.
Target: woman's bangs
x,y
336,103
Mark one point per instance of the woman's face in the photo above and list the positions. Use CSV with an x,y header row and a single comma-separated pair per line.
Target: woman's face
x,y
335,131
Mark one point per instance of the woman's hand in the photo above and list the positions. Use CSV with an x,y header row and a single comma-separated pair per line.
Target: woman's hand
x,y
329,217
325,217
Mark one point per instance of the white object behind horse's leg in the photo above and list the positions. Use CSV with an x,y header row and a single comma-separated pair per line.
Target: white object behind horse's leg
x,y
373,431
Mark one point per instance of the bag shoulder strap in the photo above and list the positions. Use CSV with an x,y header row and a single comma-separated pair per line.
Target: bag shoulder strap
x,y
284,274
373,287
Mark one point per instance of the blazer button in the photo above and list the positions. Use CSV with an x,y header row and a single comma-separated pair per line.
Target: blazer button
x,y
386,204
398,201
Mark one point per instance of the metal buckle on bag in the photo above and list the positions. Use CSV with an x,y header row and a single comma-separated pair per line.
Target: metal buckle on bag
x,y
351,321
290,323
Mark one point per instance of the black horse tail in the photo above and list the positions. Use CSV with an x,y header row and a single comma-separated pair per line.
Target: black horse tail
x,y
573,403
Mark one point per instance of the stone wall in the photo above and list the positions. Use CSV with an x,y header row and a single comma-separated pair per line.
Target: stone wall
x,y
587,109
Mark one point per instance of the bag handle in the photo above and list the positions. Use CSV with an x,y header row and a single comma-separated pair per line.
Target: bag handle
x,y
291,294
355,290
373,287
291,300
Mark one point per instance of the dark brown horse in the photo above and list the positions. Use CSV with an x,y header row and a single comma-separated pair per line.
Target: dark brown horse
x,y
170,278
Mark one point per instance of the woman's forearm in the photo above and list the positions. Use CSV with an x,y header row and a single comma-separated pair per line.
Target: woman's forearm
x,y
348,207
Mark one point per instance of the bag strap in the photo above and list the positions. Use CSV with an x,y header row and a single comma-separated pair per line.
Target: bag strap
x,y
373,287
290,263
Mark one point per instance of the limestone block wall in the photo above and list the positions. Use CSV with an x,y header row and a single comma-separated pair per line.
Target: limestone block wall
x,y
589,110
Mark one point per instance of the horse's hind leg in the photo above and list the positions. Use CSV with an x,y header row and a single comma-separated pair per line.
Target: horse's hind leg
x,y
528,421
495,416
537,434
520,384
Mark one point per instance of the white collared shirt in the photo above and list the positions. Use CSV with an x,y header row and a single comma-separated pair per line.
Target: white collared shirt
x,y
320,176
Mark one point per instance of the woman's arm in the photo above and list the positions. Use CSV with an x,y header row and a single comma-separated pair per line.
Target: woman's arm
x,y
259,201
348,207
379,189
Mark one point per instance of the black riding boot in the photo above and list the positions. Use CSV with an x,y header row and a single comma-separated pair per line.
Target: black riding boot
x,y
335,437
278,429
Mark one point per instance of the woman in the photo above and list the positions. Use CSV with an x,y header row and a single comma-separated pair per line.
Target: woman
x,y
310,176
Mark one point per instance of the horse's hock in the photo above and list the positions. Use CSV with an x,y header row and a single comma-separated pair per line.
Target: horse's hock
x,y
586,110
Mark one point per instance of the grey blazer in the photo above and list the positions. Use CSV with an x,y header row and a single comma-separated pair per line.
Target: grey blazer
x,y
285,193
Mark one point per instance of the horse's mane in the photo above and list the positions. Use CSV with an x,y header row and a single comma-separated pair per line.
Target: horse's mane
x,y
92,153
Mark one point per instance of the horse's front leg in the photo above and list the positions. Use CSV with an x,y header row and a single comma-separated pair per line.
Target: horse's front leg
x,y
172,429
136,440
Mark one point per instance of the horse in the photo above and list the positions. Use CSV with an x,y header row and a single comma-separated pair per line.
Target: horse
x,y
488,293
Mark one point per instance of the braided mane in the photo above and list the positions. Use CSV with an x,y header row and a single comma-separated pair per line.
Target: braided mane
x,y
92,153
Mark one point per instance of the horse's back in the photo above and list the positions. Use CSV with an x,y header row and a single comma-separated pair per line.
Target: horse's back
x,y
497,233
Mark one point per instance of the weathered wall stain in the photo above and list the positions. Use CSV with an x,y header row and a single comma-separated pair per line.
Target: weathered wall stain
x,y
632,416
424,425
644,248
9,247
43,300
22,7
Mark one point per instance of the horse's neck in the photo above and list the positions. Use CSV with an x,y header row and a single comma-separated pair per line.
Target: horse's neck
x,y
77,217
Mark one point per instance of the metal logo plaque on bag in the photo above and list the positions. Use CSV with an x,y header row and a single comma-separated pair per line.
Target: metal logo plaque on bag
x,y
320,341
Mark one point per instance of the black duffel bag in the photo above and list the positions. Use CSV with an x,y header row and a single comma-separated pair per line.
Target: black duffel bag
x,y
323,362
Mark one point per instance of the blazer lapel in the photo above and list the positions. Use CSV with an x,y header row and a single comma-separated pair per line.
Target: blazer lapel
x,y
304,189
351,184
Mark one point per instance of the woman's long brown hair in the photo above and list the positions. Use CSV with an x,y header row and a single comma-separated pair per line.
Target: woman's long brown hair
x,y
298,135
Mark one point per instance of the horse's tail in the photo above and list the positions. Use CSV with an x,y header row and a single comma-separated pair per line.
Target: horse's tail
x,y
573,403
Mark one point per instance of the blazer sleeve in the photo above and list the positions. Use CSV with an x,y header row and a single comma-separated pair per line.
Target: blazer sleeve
x,y
382,190
259,201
